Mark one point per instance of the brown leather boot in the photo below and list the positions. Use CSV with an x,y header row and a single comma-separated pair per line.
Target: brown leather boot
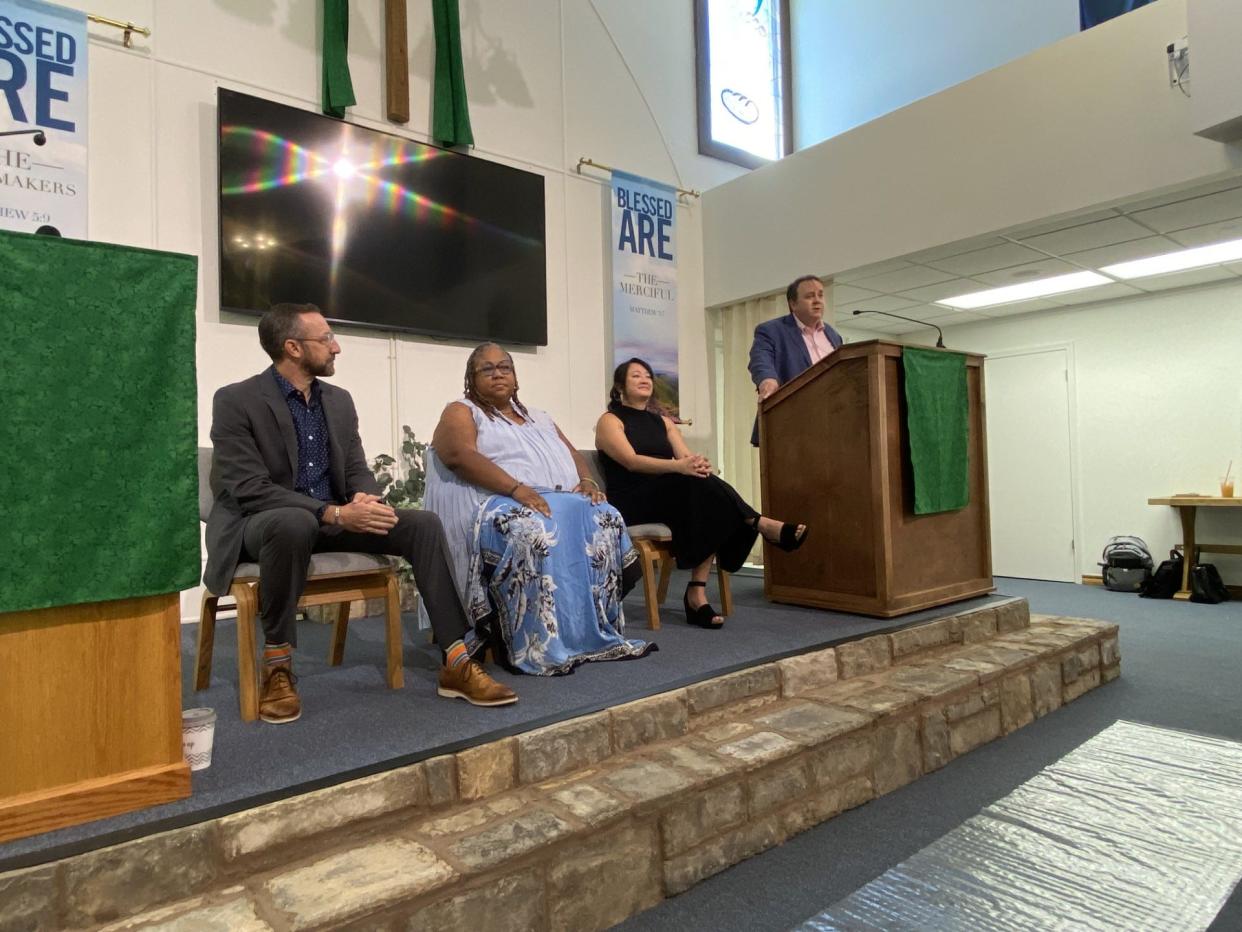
x,y
278,700
470,681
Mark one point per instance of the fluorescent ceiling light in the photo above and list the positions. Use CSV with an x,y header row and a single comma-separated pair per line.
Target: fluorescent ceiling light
x,y
1178,261
1058,284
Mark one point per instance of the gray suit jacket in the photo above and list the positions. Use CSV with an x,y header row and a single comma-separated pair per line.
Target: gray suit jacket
x,y
255,465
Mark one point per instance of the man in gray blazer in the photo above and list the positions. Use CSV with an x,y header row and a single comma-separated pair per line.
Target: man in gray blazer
x,y
786,346
290,478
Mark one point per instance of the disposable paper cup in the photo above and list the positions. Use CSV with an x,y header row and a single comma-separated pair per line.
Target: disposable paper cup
x,y
198,728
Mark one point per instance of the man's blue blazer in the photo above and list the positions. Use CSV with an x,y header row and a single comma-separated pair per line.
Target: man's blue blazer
x,y
779,352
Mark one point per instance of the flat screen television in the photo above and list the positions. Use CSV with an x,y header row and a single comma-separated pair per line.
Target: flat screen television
x,y
378,230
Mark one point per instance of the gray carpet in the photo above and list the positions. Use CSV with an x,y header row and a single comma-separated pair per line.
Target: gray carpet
x,y
1179,669
353,725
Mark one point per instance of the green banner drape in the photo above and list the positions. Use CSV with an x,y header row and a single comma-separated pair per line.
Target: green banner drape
x,y
338,89
99,435
450,115
937,423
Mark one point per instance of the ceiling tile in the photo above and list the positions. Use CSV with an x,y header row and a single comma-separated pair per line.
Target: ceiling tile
x,y
1027,230
955,249
1124,252
1018,307
955,318
1185,194
903,279
878,268
1207,234
1192,213
1029,272
948,289
922,311
849,294
1102,293
1213,273
882,303
987,260
1088,236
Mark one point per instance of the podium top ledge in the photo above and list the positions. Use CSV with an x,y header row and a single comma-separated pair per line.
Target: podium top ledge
x,y
849,351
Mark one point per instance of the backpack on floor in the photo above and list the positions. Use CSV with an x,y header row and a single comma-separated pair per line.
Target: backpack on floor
x,y
1166,580
1126,563
1206,584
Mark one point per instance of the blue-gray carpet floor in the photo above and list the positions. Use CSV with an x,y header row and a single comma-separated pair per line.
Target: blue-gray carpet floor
x,y
353,725
1181,667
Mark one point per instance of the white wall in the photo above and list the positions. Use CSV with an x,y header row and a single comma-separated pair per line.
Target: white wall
x,y
549,81
1088,120
1156,409
855,60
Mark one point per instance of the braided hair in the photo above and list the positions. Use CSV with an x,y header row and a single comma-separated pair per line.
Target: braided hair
x,y
472,393
619,376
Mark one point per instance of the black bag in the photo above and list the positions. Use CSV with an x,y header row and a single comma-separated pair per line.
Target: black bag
x,y
1206,585
1166,580
1126,563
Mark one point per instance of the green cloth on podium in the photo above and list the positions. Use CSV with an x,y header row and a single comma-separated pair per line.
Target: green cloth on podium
x,y
99,435
937,423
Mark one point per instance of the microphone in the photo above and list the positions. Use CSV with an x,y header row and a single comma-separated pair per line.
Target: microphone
x,y
40,138
939,332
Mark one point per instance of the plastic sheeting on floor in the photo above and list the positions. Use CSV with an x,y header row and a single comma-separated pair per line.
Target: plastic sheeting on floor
x,y
1138,828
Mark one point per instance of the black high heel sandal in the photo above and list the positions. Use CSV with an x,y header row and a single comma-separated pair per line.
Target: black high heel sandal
x,y
790,540
702,616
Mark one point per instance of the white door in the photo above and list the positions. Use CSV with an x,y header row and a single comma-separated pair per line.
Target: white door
x,y
1030,482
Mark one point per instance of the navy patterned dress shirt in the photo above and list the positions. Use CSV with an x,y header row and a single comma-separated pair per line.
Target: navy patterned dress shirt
x,y
311,426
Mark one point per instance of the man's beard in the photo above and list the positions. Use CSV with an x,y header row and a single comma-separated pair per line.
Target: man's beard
x,y
318,370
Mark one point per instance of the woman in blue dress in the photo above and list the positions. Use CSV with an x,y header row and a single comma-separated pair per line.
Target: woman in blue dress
x,y
542,559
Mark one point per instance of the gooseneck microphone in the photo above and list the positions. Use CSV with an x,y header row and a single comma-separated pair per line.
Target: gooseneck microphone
x,y
922,323
39,137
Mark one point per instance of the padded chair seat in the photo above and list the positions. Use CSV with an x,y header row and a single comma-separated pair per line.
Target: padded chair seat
x,y
329,564
655,531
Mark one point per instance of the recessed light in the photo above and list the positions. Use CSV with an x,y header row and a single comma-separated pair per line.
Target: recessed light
x,y
1058,284
1179,261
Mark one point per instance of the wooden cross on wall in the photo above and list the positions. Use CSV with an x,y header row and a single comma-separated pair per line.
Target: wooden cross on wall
x,y
396,62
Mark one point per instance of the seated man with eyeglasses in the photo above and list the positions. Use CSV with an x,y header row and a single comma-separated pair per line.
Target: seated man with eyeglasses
x,y
290,478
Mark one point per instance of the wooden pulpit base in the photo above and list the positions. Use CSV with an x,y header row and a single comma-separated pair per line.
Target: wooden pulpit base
x,y
90,706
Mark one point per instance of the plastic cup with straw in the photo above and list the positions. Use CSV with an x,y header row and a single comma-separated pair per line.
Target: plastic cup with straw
x,y
1226,482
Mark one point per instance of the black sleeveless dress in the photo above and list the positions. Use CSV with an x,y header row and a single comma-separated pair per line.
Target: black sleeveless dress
x,y
706,515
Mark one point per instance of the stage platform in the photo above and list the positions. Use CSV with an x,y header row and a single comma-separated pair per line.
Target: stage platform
x,y
656,794
353,725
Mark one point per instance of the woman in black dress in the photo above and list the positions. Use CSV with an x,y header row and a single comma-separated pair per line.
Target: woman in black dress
x,y
652,477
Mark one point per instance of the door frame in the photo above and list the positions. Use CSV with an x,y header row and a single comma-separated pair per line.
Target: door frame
x,y
1071,399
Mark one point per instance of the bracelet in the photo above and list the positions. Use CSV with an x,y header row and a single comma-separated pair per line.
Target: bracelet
x,y
582,479
509,494
336,515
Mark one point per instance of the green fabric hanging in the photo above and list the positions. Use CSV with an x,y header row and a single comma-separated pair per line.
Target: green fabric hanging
x,y
99,437
338,89
937,423
450,114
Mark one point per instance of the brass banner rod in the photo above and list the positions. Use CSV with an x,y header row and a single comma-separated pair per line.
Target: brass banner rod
x,y
583,160
128,28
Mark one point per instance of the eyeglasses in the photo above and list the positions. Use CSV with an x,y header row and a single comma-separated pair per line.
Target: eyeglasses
x,y
327,339
489,369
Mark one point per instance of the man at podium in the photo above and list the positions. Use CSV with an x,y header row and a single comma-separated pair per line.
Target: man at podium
x,y
786,346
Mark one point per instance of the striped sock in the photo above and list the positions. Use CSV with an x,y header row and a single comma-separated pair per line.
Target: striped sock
x,y
456,654
278,655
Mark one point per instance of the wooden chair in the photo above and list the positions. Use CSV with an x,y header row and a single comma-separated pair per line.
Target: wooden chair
x,y
654,543
333,579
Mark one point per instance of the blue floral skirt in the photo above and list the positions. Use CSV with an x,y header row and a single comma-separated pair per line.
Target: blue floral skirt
x,y
551,588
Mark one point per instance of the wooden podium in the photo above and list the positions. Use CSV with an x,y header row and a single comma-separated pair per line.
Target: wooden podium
x,y
91,710
834,455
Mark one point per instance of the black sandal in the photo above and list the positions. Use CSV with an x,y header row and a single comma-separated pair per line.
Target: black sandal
x,y
790,540
702,616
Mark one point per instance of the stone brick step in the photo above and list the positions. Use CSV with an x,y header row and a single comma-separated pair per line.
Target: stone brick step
x,y
654,795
